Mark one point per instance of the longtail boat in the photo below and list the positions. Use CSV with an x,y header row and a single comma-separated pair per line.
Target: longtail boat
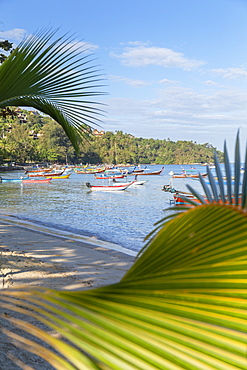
x,y
181,199
39,170
60,177
149,173
105,176
10,180
108,187
89,172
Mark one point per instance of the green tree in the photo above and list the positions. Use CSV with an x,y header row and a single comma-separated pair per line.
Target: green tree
x,y
19,145
6,46
53,144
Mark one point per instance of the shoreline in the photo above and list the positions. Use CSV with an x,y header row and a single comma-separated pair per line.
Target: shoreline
x,y
65,234
32,256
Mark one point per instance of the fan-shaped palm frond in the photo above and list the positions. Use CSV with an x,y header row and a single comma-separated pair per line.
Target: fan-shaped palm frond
x,y
54,77
182,305
224,189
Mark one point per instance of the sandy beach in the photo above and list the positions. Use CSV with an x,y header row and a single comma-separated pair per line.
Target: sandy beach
x,y
33,256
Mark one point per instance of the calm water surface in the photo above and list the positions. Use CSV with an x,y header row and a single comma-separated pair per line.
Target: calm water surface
x,y
124,217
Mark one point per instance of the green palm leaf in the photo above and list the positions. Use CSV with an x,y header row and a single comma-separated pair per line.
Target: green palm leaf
x,y
55,78
182,305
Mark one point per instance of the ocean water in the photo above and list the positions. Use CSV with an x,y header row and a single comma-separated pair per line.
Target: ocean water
x,y
124,217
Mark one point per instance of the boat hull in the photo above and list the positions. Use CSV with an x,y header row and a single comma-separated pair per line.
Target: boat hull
x,y
109,177
188,176
10,180
60,177
118,187
36,181
148,173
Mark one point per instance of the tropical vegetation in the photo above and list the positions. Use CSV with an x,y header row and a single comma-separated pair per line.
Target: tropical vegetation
x,y
29,136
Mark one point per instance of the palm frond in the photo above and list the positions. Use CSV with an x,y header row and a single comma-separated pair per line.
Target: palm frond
x,y
56,78
220,178
228,174
237,166
182,305
232,190
244,186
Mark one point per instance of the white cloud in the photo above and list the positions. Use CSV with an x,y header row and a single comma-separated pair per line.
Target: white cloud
x,y
138,43
231,73
182,113
211,83
15,35
128,81
142,56
165,81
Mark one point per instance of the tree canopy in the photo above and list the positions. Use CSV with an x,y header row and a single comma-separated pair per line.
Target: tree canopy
x,y
29,136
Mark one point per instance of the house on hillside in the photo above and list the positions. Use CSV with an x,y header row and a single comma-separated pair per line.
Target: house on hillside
x,y
98,133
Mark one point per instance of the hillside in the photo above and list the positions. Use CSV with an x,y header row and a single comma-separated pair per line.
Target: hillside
x,y
32,137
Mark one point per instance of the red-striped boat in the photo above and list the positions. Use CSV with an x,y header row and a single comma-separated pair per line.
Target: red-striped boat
x,y
109,187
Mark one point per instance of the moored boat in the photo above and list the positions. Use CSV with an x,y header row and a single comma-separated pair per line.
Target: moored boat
x,y
182,199
48,174
39,170
35,181
150,173
60,177
106,176
185,175
134,183
89,171
116,187
10,180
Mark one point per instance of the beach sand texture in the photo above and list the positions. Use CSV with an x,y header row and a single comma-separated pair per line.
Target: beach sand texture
x,y
32,258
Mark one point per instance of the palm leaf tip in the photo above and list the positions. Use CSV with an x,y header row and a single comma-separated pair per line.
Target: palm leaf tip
x,y
56,78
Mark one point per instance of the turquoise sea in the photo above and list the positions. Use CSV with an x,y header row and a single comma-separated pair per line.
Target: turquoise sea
x,y
123,217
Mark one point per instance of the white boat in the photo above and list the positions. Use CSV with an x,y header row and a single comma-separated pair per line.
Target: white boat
x,y
116,187
134,183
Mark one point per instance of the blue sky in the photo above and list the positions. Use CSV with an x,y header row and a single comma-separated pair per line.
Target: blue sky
x,y
173,68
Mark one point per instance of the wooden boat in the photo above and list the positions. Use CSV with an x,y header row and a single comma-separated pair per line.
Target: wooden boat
x,y
39,170
186,175
53,174
89,172
134,183
137,183
105,176
44,174
35,181
10,180
196,176
60,177
179,201
149,173
179,176
136,172
182,202
116,187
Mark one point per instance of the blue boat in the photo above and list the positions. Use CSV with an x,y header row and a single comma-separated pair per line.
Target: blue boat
x,y
12,180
